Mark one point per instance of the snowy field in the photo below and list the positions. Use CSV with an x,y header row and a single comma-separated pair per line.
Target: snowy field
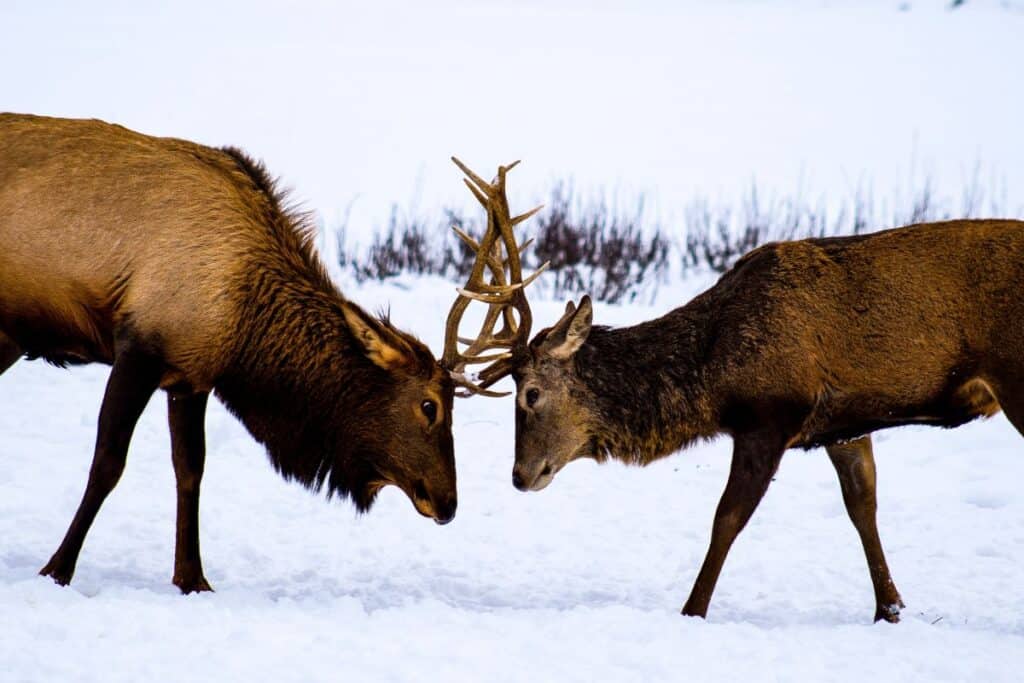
x,y
582,581
357,107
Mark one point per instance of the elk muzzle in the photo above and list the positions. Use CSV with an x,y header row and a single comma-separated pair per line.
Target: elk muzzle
x,y
439,507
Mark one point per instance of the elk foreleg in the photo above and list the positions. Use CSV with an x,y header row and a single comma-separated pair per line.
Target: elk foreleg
x,y
133,379
755,459
855,465
185,415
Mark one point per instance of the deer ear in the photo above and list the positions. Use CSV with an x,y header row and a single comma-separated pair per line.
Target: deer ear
x,y
569,333
382,346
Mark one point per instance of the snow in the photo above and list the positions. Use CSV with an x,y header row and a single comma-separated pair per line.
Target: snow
x,y
582,581
357,106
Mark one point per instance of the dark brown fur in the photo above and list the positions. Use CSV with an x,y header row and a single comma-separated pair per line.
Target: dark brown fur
x,y
812,343
183,268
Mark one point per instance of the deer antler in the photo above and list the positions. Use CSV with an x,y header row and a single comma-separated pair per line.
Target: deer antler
x,y
502,296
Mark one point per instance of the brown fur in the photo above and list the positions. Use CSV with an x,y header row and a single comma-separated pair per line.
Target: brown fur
x,y
186,261
812,343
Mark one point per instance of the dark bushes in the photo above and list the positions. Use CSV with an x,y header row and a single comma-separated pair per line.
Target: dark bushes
x,y
618,256
410,245
591,249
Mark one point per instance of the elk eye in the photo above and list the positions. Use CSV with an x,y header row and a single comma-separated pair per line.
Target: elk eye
x,y
429,409
531,397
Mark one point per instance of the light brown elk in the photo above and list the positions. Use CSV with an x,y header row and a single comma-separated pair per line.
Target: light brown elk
x,y
818,342
181,267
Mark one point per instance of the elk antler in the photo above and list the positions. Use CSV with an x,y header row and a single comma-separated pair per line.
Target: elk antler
x,y
502,296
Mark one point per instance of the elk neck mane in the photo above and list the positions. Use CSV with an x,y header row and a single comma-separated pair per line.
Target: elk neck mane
x,y
291,230
298,380
648,382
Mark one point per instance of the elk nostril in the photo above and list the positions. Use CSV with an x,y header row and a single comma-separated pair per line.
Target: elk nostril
x,y
517,481
546,471
446,512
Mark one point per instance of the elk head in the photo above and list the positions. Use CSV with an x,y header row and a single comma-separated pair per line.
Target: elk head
x,y
410,429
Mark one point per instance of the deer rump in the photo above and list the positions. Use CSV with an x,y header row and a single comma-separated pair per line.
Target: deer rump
x,y
904,326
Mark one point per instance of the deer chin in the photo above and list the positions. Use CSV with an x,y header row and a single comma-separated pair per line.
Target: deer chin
x,y
589,449
551,468
543,480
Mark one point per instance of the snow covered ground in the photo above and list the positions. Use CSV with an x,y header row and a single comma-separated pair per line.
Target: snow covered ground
x,y
582,581
357,106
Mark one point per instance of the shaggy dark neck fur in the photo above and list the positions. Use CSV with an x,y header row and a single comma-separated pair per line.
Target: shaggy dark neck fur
x,y
298,381
302,388
649,386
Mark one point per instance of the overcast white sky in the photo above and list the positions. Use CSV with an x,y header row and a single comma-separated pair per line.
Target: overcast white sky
x,y
363,103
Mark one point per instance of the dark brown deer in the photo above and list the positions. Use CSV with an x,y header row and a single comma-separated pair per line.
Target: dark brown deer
x,y
182,267
802,344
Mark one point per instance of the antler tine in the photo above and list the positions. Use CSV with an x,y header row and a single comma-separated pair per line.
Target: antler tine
x,y
492,342
469,173
495,251
480,196
470,389
466,239
494,372
524,216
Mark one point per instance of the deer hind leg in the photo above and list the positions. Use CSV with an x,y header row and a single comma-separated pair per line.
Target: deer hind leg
x,y
855,464
133,379
9,352
755,459
186,414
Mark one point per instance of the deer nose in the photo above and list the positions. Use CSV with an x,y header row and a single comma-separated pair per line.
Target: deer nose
x,y
517,480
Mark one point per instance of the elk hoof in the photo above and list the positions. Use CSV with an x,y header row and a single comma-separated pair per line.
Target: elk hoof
x,y
689,611
61,577
890,613
197,584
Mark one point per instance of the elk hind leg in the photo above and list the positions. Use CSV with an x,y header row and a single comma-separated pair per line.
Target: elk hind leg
x,y
133,379
854,462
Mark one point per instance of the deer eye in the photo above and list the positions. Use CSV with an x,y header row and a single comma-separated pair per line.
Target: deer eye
x,y
531,397
429,409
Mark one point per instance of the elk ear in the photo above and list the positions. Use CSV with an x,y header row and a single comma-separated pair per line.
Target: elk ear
x,y
569,333
382,346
